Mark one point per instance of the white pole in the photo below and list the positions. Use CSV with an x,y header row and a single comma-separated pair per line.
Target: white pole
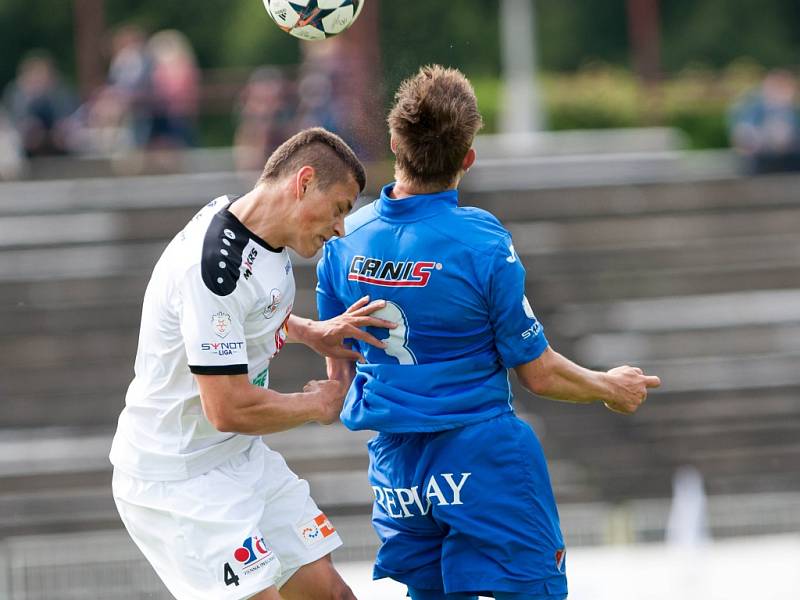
x,y
522,111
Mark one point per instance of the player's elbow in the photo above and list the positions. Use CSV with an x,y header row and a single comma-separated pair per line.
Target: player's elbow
x,y
539,384
538,375
224,424
222,418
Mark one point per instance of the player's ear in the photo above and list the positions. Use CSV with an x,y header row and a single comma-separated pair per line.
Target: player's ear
x,y
469,160
393,144
303,180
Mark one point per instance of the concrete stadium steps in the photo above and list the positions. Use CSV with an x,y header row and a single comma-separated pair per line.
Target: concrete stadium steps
x,y
56,480
695,281
49,350
637,346
88,389
70,196
54,293
741,440
633,232
611,286
79,262
689,313
559,202
652,255
35,231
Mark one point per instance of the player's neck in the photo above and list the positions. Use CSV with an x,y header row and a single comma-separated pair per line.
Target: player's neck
x,y
266,224
404,189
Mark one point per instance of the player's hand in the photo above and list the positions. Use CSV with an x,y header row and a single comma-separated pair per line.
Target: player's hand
x,y
629,387
329,396
327,337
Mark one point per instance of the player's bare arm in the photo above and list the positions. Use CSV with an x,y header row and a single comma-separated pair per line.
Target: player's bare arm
x,y
327,337
232,404
342,370
622,389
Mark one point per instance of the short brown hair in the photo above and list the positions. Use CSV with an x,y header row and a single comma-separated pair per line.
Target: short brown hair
x,y
330,156
433,122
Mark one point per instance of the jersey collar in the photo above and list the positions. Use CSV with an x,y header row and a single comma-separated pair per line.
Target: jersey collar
x,y
237,224
414,208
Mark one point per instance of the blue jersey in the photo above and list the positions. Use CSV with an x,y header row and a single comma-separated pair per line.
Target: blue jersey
x,y
456,288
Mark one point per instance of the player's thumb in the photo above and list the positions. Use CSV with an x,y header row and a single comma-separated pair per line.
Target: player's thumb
x,y
652,381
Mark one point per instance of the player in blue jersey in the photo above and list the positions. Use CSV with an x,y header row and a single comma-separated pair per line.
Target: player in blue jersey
x,y
463,501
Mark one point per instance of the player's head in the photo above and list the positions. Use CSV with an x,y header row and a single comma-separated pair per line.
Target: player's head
x,y
323,175
433,123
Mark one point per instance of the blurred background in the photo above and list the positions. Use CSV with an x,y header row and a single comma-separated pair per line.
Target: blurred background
x,y
642,153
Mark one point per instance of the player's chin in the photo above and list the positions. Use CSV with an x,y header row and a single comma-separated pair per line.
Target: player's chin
x,y
319,242
313,246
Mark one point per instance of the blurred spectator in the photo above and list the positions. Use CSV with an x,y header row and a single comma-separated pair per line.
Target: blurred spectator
x,y
175,91
130,74
317,105
40,105
11,159
765,126
263,118
103,125
328,92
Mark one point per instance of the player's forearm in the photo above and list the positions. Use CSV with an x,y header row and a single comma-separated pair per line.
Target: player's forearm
x,y
298,329
258,411
341,370
558,378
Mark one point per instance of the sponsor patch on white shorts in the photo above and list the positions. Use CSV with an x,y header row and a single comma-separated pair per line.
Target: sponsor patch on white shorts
x,y
316,530
252,556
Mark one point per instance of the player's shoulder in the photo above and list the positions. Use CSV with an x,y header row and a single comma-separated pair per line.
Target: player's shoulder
x,y
474,227
482,220
212,246
354,223
360,218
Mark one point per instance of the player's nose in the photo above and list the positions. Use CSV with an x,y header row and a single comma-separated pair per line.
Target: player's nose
x,y
338,227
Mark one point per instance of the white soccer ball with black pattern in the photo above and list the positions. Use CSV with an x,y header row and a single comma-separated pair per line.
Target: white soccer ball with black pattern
x,y
314,19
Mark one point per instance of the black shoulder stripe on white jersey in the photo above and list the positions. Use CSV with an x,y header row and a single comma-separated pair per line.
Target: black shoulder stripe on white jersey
x,y
222,255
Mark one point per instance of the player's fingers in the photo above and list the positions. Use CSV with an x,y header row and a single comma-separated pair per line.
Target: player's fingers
x,y
358,304
369,308
652,381
372,322
366,337
615,409
638,370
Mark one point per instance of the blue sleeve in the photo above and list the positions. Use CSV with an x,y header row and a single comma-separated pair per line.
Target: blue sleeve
x,y
518,335
328,303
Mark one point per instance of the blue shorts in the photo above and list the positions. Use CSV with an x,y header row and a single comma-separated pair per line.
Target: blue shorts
x,y
467,510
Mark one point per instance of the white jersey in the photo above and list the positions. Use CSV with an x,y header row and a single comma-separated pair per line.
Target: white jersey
x,y
218,303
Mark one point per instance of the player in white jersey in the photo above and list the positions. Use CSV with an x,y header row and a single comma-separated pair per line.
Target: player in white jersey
x,y
216,512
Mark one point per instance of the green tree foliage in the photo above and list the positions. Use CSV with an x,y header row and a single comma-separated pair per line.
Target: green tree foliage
x,y
716,32
463,34
711,32
224,33
572,33
578,36
29,24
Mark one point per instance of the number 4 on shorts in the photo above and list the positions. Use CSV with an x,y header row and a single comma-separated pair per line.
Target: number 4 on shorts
x,y
230,576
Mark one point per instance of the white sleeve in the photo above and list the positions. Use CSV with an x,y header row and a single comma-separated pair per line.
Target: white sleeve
x,y
213,328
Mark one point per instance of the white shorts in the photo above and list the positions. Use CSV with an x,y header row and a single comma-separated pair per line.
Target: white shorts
x,y
230,533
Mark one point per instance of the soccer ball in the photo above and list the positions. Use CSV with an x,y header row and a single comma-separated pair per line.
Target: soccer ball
x,y
314,19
